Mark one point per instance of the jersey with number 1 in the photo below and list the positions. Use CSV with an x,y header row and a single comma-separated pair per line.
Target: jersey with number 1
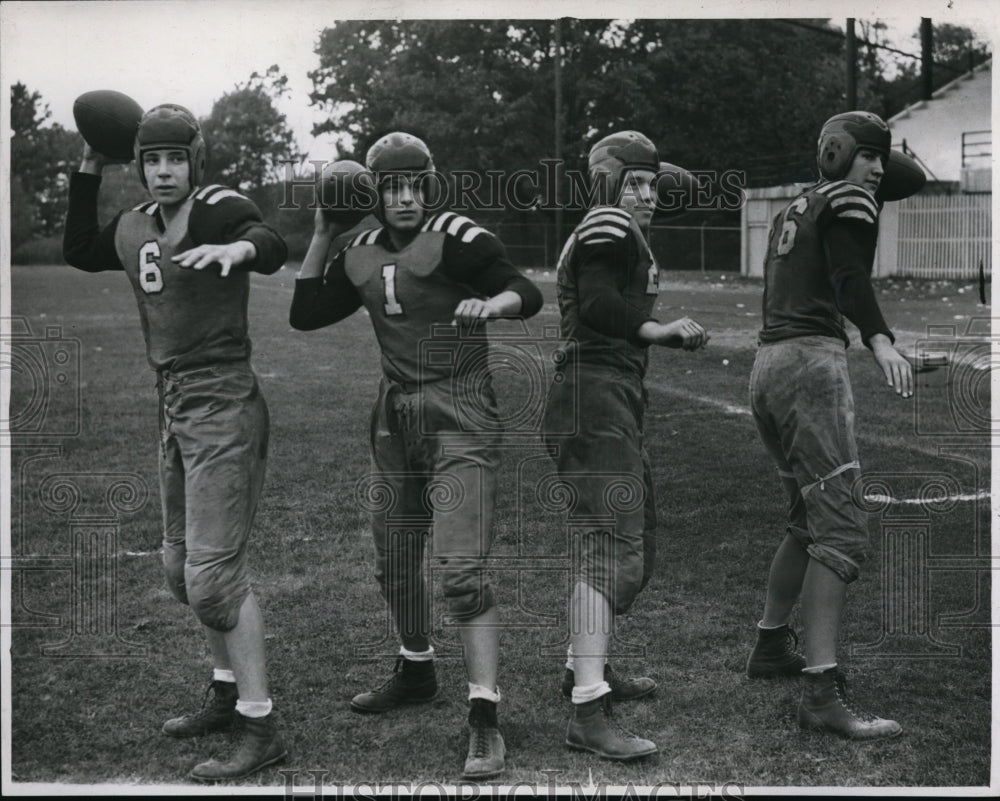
x,y
800,287
411,294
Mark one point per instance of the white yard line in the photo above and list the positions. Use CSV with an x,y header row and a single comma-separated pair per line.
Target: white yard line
x,y
744,411
982,495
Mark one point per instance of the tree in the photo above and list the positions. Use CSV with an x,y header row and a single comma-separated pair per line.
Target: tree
x,y
956,49
481,91
248,139
41,157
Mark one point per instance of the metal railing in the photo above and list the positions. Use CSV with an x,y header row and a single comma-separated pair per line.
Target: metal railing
x,y
977,148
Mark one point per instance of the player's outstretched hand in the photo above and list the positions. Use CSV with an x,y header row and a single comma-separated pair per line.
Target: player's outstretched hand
x,y
226,256
683,333
472,310
895,366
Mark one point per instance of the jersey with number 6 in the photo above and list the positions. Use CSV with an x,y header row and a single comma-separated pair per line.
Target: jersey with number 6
x,y
608,282
821,250
411,293
190,318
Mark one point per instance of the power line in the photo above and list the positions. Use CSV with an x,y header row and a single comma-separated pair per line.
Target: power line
x,y
841,35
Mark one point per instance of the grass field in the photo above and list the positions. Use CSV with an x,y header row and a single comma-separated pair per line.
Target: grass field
x,y
88,693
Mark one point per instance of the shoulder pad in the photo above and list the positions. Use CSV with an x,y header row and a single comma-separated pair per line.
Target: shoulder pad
x,y
214,193
147,207
454,225
849,201
364,238
604,224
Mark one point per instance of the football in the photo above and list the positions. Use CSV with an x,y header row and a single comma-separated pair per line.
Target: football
x,y
347,192
676,190
903,177
108,121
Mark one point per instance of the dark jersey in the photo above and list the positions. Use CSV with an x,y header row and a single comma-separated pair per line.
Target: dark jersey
x,y
820,253
411,294
608,281
190,318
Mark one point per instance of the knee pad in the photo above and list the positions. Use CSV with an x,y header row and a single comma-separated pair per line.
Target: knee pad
x,y
467,593
629,579
838,527
215,602
848,568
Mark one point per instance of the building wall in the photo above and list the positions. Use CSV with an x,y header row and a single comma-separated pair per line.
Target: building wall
x,y
933,130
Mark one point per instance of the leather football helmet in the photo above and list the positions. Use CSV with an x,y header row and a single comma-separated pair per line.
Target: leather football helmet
x,y
613,156
843,135
171,126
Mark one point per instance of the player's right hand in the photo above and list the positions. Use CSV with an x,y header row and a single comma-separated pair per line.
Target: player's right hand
x,y
324,227
95,162
683,333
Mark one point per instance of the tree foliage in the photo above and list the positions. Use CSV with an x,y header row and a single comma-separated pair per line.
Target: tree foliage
x,y
247,137
42,155
956,49
482,92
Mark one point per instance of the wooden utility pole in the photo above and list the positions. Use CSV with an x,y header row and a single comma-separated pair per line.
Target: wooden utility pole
x,y
557,77
851,58
926,57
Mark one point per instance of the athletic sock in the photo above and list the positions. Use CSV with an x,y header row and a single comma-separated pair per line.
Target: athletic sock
x,y
478,691
417,656
254,709
591,692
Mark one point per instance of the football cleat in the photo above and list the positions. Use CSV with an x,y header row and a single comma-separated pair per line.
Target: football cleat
x,y
824,708
486,746
775,654
592,729
217,714
411,683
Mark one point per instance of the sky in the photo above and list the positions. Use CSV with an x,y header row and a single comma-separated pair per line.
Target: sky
x,y
193,51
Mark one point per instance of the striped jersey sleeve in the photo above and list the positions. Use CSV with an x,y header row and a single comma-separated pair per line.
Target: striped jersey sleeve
x,y
221,215
848,201
454,225
604,225
476,257
216,193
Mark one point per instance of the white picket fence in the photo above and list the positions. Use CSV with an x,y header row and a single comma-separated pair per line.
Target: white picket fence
x,y
941,236
926,236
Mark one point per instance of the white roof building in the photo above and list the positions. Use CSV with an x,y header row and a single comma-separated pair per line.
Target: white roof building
x,y
951,134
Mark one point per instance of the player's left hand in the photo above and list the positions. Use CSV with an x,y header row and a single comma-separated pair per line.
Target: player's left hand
x,y
895,367
471,310
226,256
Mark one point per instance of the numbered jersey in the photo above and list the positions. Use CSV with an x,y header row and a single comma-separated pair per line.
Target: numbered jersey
x,y
800,277
189,317
411,294
608,242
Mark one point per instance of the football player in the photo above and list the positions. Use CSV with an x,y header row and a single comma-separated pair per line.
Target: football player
x,y
429,281
608,281
188,253
817,272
